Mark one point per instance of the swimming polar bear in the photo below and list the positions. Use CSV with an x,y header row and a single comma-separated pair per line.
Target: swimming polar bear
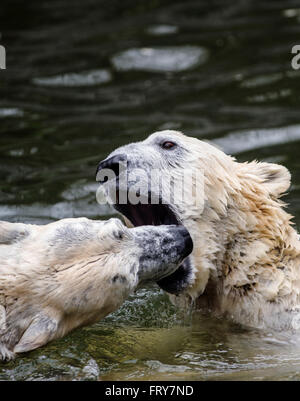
x,y
246,257
73,272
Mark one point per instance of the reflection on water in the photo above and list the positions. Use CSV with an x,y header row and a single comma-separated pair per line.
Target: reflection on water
x,y
85,79
239,142
168,59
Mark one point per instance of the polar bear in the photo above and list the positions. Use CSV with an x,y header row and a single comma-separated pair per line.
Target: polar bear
x,y
73,272
246,257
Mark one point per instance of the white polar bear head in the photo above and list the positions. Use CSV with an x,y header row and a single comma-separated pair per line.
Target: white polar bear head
x,y
219,202
141,254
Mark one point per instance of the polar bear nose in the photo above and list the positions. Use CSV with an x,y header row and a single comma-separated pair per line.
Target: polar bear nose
x,y
186,239
112,163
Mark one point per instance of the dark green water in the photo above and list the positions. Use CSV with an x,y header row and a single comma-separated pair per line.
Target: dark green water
x,y
228,79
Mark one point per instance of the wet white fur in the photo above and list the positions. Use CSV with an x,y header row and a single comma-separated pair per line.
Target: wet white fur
x,y
73,272
246,250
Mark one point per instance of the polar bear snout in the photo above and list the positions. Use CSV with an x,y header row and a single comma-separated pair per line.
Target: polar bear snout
x,y
164,248
179,241
112,164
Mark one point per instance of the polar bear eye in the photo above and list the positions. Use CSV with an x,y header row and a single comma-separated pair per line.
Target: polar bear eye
x,y
168,145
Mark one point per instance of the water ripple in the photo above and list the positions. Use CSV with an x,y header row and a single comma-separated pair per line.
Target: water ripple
x,y
87,78
168,59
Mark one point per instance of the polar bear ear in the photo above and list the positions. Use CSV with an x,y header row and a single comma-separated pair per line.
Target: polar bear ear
x,y
276,178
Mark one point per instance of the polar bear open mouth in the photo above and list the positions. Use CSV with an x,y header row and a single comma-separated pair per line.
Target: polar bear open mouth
x,y
158,214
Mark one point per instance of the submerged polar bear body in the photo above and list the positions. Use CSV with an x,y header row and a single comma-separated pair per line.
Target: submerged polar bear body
x,y
246,256
73,272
